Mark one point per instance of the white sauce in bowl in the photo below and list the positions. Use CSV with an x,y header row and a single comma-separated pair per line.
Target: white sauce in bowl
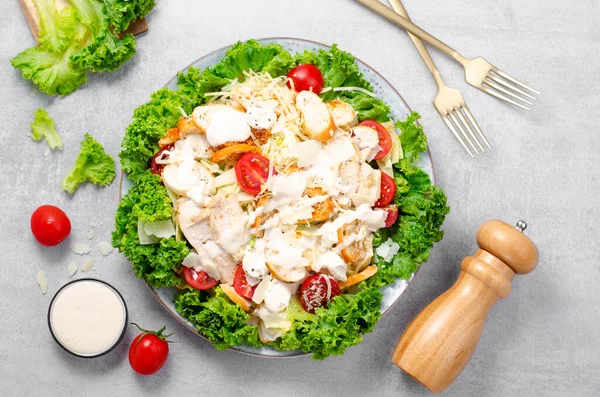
x,y
87,317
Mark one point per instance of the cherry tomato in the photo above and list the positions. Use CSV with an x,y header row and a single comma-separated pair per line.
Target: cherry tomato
x,y
240,284
148,351
317,290
388,190
154,166
252,171
50,225
198,280
392,214
385,141
306,77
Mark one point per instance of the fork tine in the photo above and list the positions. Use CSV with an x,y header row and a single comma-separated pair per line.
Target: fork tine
x,y
509,77
507,92
464,134
500,96
451,127
466,110
502,81
468,127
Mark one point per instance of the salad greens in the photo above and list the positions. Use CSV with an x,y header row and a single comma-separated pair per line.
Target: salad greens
x,y
92,164
86,35
43,127
422,206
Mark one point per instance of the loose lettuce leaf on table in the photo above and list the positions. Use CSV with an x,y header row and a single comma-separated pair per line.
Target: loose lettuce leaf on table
x,y
43,127
92,164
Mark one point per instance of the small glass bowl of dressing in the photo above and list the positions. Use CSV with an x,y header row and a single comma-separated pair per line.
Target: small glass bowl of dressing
x,y
87,317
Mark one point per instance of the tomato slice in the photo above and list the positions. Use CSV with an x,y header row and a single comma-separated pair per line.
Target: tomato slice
x,y
392,215
240,284
385,141
252,171
154,166
317,290
388,190
306,77
198,280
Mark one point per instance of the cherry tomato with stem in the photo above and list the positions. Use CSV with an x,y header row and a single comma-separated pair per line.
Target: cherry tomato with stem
x,y
306,77
385,140
50,225
317,290
149,351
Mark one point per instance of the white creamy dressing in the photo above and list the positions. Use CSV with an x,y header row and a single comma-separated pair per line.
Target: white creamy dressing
x,y
332,262
87,317
227,125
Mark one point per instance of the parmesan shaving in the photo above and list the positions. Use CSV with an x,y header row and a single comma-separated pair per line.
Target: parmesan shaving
x,y
87,265
42,281
71,269
105,248
80,248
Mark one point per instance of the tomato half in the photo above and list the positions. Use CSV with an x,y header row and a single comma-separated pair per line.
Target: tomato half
x,y
385,141
252,171
317,290
50,225
306,77
154,166
240,284
388,190
198,280
149,351
392,214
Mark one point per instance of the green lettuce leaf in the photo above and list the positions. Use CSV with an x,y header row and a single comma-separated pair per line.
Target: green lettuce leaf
x,y
43,127
122,12
92,164
340,70
148,201
421,210
337,327
217,318
78,39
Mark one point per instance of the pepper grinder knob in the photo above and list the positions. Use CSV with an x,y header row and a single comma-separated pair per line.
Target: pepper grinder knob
x,y
440,341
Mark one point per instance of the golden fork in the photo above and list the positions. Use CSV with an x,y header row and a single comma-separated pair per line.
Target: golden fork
x,y
478,72
449,102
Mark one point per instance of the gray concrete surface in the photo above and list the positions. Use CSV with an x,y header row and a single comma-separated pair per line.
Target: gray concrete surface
x,y
541,341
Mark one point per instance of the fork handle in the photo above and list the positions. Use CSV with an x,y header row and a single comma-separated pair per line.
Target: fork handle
x,y
399,8
410,27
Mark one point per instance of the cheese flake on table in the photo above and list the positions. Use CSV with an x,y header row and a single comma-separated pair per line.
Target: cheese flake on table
x,y
71,269
87,265
105,248
42,281
80,248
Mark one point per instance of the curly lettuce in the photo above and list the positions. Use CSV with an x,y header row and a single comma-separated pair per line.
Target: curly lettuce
x,y
43,128
148,201
348,317
84,36
93,164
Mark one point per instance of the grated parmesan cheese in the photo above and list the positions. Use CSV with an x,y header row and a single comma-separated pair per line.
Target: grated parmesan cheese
x,y
359,89
387,250
80,248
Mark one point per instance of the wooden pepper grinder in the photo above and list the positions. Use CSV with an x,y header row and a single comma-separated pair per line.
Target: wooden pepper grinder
x,y
439,342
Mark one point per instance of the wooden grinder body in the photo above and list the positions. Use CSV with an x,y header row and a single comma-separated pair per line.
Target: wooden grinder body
x,y
439,342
